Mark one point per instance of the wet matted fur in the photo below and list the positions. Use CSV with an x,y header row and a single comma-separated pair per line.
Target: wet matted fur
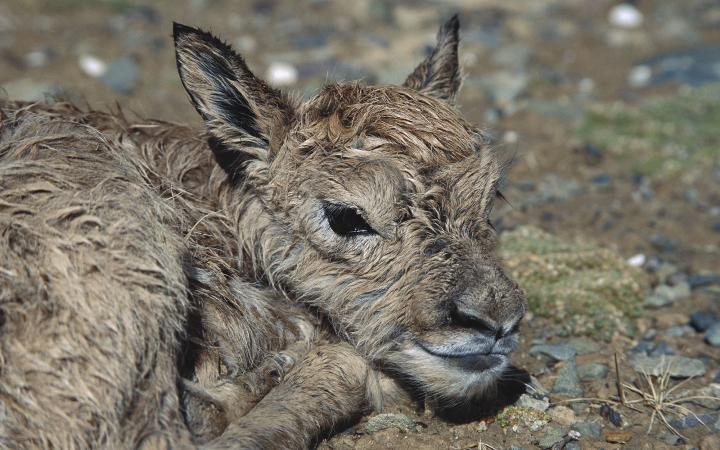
x,y
255,285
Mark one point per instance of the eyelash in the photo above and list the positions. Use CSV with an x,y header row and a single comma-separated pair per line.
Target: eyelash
x,y
346,220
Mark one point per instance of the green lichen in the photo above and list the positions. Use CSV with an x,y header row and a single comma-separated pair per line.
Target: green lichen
x,y
587,290
663,137
517,417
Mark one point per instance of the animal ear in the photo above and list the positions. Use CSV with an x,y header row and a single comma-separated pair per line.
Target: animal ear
x,y
246,118
439,74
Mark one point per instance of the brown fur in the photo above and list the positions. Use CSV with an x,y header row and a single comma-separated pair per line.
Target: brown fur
x,y
151,296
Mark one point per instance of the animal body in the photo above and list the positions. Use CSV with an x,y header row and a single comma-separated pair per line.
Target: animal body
x,y
255,284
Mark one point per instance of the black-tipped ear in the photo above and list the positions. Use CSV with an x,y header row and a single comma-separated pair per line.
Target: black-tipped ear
x,y
244,116
439,74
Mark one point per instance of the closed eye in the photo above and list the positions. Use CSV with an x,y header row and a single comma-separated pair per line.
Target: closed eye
x,y
345,220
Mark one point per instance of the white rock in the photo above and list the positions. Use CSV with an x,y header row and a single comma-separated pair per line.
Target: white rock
x,y
639,76
282,74
92,65
636,260
626,16
510,137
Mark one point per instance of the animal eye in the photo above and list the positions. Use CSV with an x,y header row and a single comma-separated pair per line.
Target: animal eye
x,y
346,221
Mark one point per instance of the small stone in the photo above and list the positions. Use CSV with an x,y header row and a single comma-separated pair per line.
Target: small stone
x,y
593,371
694,421
528,401
663,243
662,348
677,331
28,90
636,260
584,346
568,380
611,415
625,16
558,352
618,437
712,335
281,74
678,366
121,75
552,436
707,397
639,76
38,58
381,422
601,180
92,65
572,445
671,439
701,321
589,429
703,280
562,415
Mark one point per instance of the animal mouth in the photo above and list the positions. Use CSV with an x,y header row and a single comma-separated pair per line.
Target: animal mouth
x,y
466,356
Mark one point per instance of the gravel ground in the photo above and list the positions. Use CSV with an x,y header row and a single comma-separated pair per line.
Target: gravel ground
x,y
607,115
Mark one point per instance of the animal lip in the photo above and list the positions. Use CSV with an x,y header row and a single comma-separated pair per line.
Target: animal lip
x,y
467,357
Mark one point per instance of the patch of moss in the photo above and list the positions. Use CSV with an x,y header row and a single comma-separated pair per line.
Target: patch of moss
x,y
586,289
663,137
521,417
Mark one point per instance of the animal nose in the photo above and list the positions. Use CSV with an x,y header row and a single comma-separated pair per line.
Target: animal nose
x,y
463,316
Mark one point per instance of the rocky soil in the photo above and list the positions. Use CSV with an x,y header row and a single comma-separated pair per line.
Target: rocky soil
x,y
607,116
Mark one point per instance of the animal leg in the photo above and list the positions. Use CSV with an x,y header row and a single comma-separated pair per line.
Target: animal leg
x,y
326,388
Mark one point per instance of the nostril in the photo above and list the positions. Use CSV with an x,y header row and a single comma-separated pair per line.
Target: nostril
x,y
466,318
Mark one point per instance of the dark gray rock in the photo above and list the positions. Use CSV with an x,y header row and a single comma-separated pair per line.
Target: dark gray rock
x,y
678,366
588,429
381,422
568,380
712,335
662,348
593,371
695,421
663,243
552,436
702,320
703,280
558,352
122,75
678,330
693,66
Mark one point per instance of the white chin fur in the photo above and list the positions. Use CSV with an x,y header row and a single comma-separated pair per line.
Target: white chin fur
x,y
441,381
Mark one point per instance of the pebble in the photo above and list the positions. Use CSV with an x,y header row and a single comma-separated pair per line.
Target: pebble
x,y
281,74
552,436
601,180
712,335
593,371
584,346
381,422
693,66
92,65
618,437
694,421
707,397
625,16
678,366
122,75
558,352
590,429
611,415
701,321
639,76
664,294
703,280
528,401
568,380
636,260
663,243
38,58
562,415
28,90
662,349
677,331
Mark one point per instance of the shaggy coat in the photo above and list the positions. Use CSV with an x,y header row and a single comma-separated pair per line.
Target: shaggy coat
x,y
255,285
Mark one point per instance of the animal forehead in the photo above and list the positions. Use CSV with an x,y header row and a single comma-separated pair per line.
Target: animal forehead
x,y
392,120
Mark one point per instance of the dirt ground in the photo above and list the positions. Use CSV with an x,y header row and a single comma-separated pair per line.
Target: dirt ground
x,y
543,78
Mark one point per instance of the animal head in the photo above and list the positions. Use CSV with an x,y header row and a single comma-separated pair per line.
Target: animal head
x,y
370,204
